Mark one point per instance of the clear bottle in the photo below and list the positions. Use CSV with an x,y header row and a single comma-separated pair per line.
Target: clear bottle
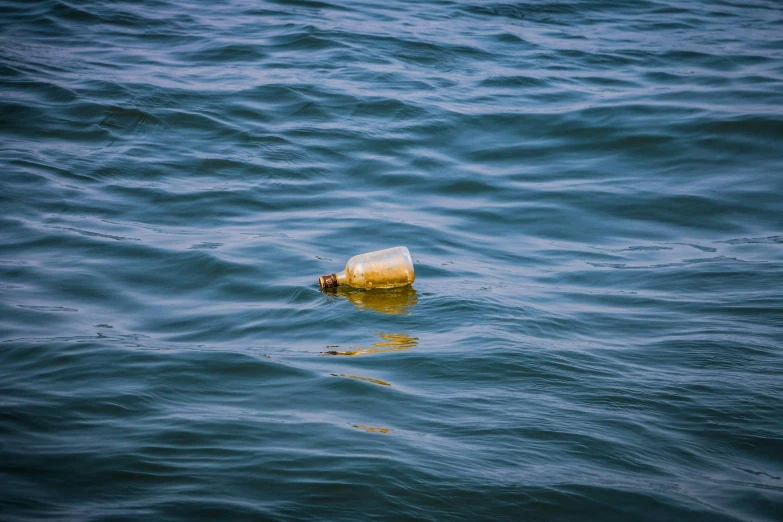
x,y
381,269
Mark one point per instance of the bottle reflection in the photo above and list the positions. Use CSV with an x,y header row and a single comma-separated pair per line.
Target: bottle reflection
x,y
394,301
389,342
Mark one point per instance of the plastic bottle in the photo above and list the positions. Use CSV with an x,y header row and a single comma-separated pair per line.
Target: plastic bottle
x,y
381,269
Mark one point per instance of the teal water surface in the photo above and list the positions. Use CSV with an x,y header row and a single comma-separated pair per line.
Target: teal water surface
x,y
592,192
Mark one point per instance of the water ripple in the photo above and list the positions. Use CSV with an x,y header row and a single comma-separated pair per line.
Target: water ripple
x,y
588,190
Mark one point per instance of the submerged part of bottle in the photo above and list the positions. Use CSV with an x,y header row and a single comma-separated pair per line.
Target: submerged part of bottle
x,y
393,301
388,268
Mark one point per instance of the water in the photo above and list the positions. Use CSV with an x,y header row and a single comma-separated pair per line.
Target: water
x,y
591,192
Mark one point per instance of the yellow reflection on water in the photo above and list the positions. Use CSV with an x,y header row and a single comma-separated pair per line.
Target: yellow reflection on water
x,y
371,429
365,379
394,301
390,342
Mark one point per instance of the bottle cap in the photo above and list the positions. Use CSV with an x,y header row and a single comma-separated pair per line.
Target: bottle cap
x,y
328,281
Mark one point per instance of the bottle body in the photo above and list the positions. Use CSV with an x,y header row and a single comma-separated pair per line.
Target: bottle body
x,y
387,268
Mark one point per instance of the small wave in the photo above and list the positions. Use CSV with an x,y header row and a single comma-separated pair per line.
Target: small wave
x,y
770,240
44,308
96,234
127,120
685,262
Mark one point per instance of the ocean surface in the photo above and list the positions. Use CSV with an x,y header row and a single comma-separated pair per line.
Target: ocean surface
x,y
592,192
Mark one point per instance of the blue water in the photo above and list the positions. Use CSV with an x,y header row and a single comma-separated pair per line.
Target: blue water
x,y
592,192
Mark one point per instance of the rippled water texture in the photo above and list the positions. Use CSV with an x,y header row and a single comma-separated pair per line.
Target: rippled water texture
x,y
592,193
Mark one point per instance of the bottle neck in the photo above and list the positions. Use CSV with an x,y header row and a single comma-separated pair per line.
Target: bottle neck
x,y
332,280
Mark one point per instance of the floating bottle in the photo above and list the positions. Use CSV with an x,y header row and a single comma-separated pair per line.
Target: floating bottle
x,y
381,269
